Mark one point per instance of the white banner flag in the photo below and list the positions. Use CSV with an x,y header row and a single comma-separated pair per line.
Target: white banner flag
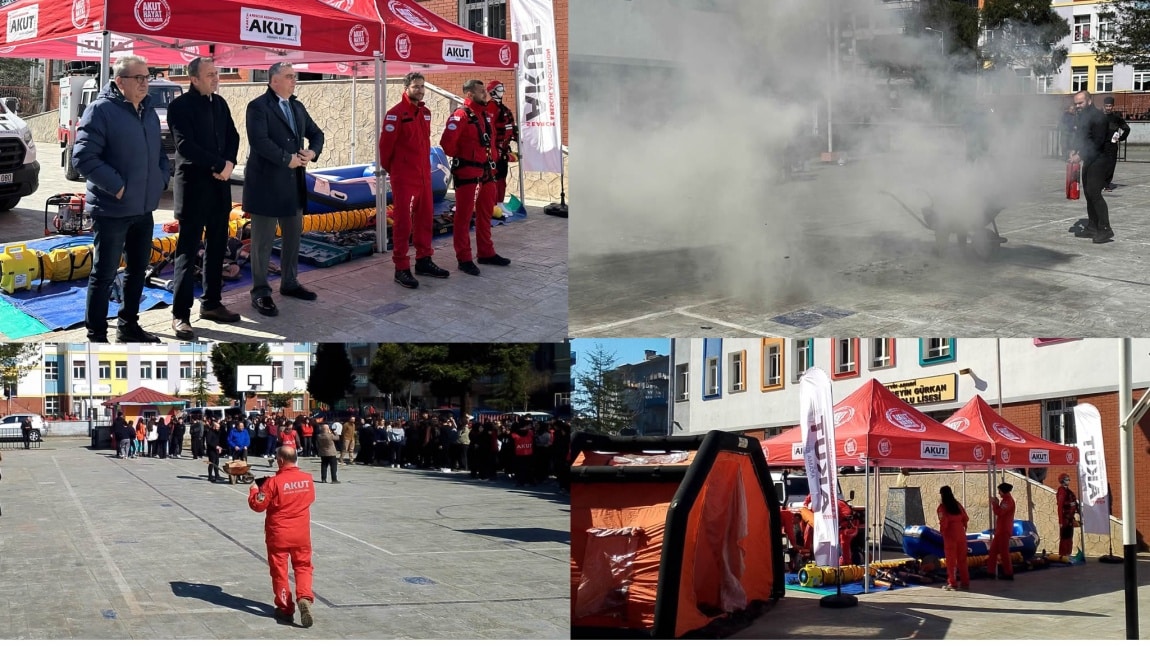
x,y
537,86
1092,470
817,419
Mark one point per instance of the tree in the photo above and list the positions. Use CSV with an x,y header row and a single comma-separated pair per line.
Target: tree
x,y
519,379
601,397
1024,34
280,401
200,391
16,361
332,376
225,358
451,370
389,364
1130,36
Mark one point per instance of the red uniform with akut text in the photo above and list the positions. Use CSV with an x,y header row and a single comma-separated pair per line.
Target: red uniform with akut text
x,y
468,139
1003,530
503,122
286,498
405,152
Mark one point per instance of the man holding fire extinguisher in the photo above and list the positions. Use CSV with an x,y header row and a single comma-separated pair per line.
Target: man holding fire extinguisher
x,y
1088,149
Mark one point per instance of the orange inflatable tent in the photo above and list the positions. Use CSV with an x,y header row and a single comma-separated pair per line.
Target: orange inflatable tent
x,y
671,535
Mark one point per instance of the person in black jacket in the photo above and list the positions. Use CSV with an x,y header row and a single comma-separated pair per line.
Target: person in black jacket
x,y
207,144
1117,130
212,444
1089,148
275,190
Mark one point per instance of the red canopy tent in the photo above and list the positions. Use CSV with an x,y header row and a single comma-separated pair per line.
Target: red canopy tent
x,y
1013,447
247,33
873,422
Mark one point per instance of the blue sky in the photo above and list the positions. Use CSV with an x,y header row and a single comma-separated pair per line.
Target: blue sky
x,y
626,350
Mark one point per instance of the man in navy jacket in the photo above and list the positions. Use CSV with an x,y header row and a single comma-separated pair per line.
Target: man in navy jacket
x,y
275,190
118,150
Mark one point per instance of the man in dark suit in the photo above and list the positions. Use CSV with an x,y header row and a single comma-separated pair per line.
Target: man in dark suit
x,y
206,147
1089,149
274,188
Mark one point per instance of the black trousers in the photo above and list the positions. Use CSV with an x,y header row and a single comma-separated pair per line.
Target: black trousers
x,y
213,465
325,463
197,446
214,230
127,237
1113,163
1093,181
27,438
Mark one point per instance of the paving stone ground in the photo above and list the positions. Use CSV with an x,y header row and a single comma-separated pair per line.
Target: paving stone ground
x,y
359,300
1065,603
829,255
96,547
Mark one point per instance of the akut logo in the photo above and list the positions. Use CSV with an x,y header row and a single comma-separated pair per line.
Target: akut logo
x,y
505,55
1007,433
411,16
884,447
403,46
80,11
904,420
959,424
844,415
357,37
153,15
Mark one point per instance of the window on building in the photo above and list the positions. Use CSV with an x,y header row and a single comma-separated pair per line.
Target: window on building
x,y
277,370
201,369
1045,84
773,369
80,370
681,382
161,370
260,76
1104,79
51,369
471,12
145,370
1142,80
562,400
361,361
105,370
1082,29
228,70
121,370
297,403
711,384
937,350
844,358
1058,421
1105,29
185,370
299,368
177,70
804,357
1079,77
737,368
881,353
52,405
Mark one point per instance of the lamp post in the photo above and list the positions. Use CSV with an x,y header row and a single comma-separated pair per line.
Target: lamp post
x,y
941,39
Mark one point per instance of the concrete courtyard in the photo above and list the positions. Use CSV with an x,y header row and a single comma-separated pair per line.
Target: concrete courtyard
x,y
101,548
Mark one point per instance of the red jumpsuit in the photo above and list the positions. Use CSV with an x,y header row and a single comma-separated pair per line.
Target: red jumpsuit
x,y
289,438
1003,530
467,140
1067,505
287,497
524,449
503,120
405,153
847,530
953,528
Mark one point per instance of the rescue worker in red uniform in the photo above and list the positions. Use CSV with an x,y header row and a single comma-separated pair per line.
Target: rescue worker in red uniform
x,y
405,153
847,529
286,497
524,439
503,120
1067,507
952,522
1003,529
468,140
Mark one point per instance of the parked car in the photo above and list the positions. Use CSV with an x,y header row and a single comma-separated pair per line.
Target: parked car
x,y
10,427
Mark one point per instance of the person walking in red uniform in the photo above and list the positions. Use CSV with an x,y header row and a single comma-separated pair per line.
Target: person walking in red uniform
x,y
952,522
1003,530
405,153
1067,507
286,497
503,122
468,140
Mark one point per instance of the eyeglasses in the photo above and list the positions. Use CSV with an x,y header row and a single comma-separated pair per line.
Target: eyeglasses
x,y
139,78
290,77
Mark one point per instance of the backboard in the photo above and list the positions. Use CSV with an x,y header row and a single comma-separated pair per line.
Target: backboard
x,y
254,379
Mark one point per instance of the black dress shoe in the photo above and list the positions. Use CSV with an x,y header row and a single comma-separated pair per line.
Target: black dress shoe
x,y
133,333
495,260
404,277
1088,232
426,267
97,337
300,292
469,268
266,306
183,329
219,314
1104,236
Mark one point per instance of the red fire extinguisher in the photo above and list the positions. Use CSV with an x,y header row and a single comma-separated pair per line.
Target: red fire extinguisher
x,y
1073,171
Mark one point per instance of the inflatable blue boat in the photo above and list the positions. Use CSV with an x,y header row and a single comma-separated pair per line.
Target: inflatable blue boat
x,y
345,188
919,541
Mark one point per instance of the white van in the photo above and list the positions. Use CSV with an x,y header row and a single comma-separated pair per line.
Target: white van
x,y
214,412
